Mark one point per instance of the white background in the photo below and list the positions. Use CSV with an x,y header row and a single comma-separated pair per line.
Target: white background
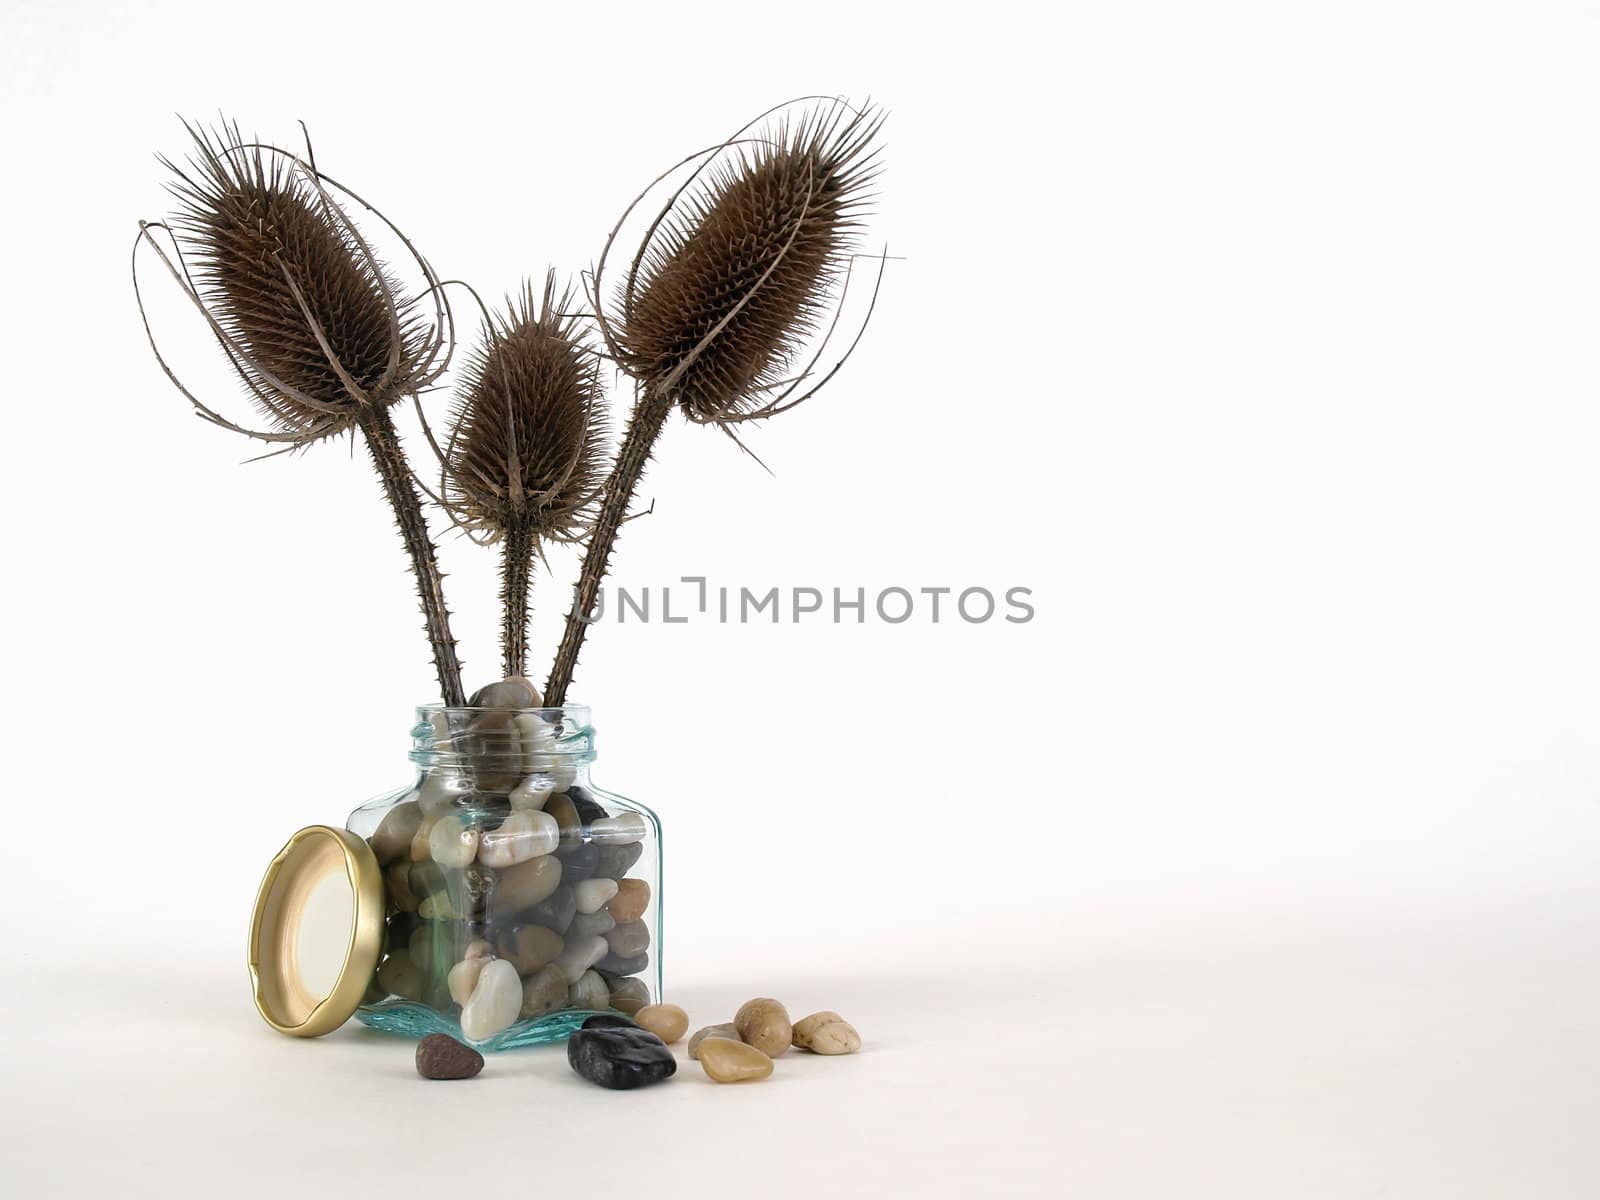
x,y
1259,340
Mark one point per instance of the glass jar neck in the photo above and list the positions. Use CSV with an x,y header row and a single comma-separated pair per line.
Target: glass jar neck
x,y
500,743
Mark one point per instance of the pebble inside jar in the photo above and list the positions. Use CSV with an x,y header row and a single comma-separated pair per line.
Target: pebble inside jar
x,y
520,898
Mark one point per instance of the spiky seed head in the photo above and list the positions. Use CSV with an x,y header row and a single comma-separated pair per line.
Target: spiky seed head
x,y
756,246
526,451
277,262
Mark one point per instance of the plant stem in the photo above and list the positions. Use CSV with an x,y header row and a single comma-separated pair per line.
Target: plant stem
x,y
384,444
516,581
644,427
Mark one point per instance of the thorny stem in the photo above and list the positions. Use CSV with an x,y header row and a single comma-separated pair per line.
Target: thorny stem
x,y
516,580
649,417
384,444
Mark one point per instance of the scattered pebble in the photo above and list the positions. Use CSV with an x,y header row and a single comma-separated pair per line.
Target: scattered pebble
x,y
631,899
718,1031
442,1057
620,1058
494,1003
607,1021
826,1033
764,1024
727,1061
667,1021
592,894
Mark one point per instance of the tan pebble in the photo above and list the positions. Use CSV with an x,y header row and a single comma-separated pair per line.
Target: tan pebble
x,y
632,898
629,995
764,1024
728,1061
667,1021
711,1031
826,1033
392,839
530,947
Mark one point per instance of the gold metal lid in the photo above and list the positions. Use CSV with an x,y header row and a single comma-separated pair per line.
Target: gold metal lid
x,y
307,874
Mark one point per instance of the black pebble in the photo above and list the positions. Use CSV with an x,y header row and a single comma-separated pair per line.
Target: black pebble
x,y
579,863
620,1058
609,1021
588,809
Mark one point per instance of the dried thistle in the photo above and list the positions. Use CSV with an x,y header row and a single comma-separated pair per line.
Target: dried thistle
x,y
524,461
311,320
735,274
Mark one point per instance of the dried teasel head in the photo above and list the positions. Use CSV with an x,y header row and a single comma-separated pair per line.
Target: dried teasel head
x,y
313,322
744,263
526,450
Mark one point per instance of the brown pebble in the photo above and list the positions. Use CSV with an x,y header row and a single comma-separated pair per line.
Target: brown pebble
x,y
667,1021
764,1024
728,1061
632,898
442,1057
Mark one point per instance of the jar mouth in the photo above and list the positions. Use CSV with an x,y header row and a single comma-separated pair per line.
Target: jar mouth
x,y
502,741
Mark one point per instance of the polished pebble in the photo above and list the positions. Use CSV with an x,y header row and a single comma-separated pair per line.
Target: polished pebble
x,y
527,884
442,1057
399,976
561,808
620,1058
532,793
512,692
494,1003
452,842
583,924
632,898
578,862
590,991
593,894
545,991
613,861
529,947
667,1021
419,841
727,1061
521,836
628,995
557,910
608,1021
618,965
580,955
764,1024
463,978
442,790
559,767
620,829
397,882
718,1031
392,839
826,1033
629,940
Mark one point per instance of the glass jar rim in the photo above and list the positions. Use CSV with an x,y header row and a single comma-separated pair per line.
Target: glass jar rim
x,y
459,738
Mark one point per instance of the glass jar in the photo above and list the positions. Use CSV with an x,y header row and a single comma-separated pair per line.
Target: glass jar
x,y
520,899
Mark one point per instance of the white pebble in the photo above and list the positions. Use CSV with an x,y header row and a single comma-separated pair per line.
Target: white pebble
x,y
463,978
452,842
620,829
478,948
521,836
440,790
494,1003
535,734
560,767
532,792
580,955
592,894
